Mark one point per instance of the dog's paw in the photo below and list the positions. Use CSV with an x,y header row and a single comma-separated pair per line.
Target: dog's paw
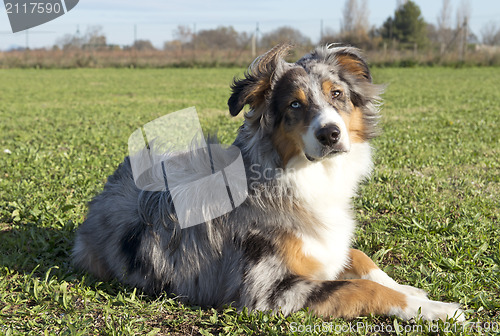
x,y
411,291
429,310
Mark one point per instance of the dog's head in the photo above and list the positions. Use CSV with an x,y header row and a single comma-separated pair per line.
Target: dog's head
x,y
317,107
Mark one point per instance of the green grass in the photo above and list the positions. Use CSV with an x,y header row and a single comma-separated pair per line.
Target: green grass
x,y
429,215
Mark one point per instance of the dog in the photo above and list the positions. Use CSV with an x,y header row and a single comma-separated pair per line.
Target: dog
x,y
305,146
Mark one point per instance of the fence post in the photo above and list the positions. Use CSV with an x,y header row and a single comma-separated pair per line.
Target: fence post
x,y
253,46
464,40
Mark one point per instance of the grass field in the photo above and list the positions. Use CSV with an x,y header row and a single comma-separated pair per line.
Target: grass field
x,y
429,214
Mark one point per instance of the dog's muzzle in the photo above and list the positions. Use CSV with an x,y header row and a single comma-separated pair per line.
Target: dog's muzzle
x,y
328,135
329,138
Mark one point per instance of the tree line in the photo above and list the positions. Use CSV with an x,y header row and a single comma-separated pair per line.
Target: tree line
x,y
406,28
403,39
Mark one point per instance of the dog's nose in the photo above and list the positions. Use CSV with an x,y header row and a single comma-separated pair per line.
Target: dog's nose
x,y
328,135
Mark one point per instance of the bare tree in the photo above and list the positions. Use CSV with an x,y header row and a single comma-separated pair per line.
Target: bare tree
x,y
490,34
68,42
362,18
444,23
355,17
184,34
444,17
93,39
355,24
349,16
463,14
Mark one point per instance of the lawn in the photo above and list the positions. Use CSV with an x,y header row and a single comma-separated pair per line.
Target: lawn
x,y
429,214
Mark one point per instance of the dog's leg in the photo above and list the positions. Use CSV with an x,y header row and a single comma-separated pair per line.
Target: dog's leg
x,y
338,298
352,298
290,292
362,267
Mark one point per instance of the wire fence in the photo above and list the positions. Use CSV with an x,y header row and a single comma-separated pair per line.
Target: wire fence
x,y
476,56
225,46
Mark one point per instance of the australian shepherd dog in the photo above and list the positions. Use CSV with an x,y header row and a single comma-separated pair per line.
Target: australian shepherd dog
x,y
305,146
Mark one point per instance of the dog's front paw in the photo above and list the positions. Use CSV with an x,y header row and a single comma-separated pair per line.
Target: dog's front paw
x,y
429,310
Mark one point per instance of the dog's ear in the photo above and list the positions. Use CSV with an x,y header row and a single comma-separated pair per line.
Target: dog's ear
x,y
352,67
352,62
258,79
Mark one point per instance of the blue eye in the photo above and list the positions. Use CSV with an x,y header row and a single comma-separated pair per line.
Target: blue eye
x,y
295,105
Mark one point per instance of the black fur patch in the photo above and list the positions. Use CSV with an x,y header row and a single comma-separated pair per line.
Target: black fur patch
x,y
357,99
256,246
281,286
197,281
130,247
167,287
324,290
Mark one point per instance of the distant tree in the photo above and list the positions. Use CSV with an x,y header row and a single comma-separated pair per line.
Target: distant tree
x,y
463,13
349,16
184,34
407,26
443,29
93,39
490,34
355,16
284,34
444,17
329,36
244,39
143,45
221,38
183,39
433,33
172,45
387,29
69,41
355,23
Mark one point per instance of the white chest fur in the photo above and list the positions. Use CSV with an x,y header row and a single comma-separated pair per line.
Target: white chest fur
x,y
331,249
325,188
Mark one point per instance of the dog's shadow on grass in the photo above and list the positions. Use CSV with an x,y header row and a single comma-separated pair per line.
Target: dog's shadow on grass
x,y
26,246
32,249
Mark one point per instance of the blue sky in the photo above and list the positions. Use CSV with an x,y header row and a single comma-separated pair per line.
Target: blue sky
x,y
155,20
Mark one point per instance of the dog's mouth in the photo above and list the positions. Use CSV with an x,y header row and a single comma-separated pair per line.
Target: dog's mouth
x,y
331,153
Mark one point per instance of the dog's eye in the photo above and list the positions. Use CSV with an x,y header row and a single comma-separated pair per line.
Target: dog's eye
x,y
295,105
336,94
